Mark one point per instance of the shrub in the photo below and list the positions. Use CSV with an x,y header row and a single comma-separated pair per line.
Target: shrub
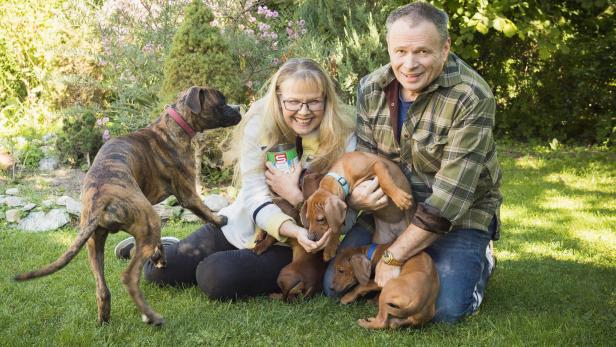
x,y
199,56
80,138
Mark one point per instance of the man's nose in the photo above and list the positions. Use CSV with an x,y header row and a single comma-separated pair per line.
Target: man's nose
x,y
410,62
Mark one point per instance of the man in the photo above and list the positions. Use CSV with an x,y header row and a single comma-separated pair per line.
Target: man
x,y
430,112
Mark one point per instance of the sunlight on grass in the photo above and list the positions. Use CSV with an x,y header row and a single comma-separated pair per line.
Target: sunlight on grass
x,y
529,162
562,202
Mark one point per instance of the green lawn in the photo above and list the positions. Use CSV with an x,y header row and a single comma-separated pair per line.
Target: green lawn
x,y
555,283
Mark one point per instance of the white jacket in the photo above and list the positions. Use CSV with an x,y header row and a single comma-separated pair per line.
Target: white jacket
x,y
254,192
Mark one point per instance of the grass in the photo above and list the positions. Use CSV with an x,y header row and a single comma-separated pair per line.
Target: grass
x,y
554,285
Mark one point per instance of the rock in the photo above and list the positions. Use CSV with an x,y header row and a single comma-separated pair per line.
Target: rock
x,y
48,164
73,206
167,212
2,197
216,202
48,203
12,191
41,221
28,207
12,201
62,200
49,137
188,216
13,216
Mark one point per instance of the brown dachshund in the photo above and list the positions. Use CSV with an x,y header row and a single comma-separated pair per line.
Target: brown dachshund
x,y
326,209
128,175
408,300
303,277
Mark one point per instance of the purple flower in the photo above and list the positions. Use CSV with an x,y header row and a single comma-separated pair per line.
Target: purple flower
x,y
106,135
301,22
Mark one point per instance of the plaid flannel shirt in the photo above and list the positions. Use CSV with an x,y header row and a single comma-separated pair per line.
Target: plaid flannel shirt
x,y
446,149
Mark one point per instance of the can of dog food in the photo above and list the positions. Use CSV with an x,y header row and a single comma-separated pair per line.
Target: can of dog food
x,y
283,156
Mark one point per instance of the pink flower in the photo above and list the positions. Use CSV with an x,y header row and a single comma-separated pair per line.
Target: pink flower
x,y
106,135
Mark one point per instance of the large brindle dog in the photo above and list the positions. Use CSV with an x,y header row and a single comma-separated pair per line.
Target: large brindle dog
x,y
128,175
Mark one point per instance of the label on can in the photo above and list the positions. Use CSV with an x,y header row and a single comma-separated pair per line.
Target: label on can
x,y
283,157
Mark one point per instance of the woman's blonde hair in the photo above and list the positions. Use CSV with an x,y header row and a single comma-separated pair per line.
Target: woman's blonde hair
x,y
338,119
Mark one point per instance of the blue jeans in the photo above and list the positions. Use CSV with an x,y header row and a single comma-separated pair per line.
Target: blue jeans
x,y
464,263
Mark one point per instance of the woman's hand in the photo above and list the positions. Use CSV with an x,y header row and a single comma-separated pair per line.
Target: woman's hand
x,y
283,184
368,196
290,229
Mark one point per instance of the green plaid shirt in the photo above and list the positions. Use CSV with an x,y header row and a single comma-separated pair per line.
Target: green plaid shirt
x,y
446,148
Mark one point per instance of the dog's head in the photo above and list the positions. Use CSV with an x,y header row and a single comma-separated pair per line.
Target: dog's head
x,y
206,108
351,266
323,211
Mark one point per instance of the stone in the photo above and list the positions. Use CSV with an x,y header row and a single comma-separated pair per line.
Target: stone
x,y
13,201
167,212
62,200
188,216
13,215
28,207
216,202
48,164
48,203
41,221
73,206
12,191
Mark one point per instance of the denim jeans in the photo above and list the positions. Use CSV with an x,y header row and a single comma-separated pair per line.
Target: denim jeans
x,y
464,263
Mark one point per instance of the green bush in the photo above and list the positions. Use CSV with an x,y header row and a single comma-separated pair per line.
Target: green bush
x,y
200,56
80,138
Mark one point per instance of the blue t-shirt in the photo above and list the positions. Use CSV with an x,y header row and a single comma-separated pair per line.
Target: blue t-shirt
x,y
403,109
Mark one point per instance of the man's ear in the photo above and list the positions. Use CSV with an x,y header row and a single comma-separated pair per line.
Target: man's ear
x,y
193,99
335,211
361,268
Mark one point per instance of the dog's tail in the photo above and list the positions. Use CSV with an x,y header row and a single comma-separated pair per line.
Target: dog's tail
x,y
65,258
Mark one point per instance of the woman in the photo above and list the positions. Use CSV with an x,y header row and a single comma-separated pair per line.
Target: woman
x,y
300,106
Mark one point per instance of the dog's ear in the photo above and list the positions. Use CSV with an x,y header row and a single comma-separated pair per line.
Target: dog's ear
x,y
303,215
310,183
335,212
193,99
361,268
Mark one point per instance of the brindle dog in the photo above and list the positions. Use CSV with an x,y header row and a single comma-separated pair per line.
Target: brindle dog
x,y
128,175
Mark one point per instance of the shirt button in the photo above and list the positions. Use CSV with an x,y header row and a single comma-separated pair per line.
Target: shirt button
x,y
392,104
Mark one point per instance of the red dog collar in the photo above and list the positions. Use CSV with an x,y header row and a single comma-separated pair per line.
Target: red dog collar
x,y
181,122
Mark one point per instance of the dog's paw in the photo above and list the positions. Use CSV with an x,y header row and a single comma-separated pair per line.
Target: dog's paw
x,y
371,323
402,199
220,220
348,298
154,319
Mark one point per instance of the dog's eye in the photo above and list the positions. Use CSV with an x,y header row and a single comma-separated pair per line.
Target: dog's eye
x,y
321,220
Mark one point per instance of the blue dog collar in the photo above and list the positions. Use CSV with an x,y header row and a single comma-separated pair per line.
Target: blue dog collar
x,y
342,181
371,251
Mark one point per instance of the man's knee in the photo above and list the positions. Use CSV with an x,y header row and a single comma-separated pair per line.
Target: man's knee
x,y
452,310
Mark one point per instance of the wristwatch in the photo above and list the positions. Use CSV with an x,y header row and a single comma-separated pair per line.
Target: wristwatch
x,y
389,259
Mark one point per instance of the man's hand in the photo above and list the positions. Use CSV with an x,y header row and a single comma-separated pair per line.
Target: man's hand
x,y
368,196
384,273
283,184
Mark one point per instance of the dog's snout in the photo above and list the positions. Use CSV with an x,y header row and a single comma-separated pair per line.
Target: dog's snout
x,y
313,237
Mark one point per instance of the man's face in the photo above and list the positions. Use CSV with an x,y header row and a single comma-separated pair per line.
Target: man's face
x,y
417,55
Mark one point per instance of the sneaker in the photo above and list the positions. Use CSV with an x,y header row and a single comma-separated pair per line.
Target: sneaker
x,y
124,248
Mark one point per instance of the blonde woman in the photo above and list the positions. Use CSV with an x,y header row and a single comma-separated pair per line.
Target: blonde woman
x,y
301,107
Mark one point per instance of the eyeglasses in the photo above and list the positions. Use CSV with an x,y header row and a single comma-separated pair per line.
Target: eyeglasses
x,y
296,105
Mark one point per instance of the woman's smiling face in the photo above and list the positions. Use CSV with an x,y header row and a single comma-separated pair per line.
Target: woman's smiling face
x,y
309,98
